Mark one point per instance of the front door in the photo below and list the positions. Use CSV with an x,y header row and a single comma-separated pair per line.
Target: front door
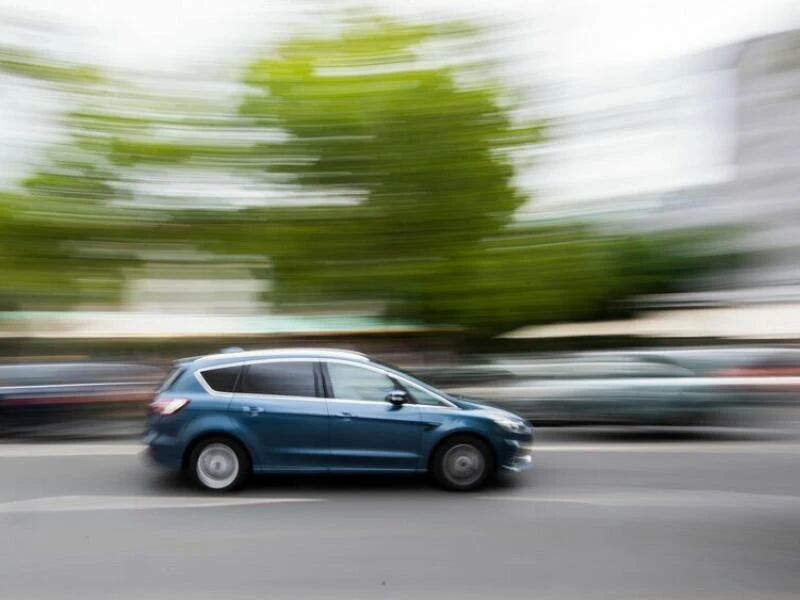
x,y
279,404
368,433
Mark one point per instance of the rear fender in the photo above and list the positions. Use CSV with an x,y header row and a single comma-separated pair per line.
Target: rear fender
x,y
217,425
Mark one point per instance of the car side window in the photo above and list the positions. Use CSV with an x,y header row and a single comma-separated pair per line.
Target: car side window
x,y
350,382
222,379
279,378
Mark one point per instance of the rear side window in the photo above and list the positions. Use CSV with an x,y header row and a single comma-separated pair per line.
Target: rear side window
x,y
279,379
222,379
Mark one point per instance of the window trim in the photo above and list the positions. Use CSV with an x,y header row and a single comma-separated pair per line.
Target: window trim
x,y
322,383
247,363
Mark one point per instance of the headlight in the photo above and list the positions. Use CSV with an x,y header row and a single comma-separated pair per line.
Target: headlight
x,y
512,425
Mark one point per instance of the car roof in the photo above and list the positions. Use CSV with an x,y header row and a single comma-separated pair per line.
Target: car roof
x,y
230,357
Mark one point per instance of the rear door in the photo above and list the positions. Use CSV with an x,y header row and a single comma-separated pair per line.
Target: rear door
x,y
367,432
279,404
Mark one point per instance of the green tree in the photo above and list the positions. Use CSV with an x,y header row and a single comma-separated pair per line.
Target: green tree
x,y
421,148
61,241
401,148
422,152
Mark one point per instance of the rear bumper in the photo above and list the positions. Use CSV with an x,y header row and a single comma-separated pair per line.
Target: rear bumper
x,y
163,450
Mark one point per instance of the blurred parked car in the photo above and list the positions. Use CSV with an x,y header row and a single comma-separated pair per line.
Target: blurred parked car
x,y
770,378
461,375
648,387
771,363
65,396
708,361
618,390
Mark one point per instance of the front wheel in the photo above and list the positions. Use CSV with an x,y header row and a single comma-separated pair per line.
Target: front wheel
x,y
462,463
219,464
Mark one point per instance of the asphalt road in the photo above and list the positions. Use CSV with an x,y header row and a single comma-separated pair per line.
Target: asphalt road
x,y
617,520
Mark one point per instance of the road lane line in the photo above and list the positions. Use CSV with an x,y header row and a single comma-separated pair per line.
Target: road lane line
x,y
663,498
55,450
105,503
675,447
68,449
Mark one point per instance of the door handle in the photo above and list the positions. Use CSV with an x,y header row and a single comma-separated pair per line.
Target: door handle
x,y
253,410
345,415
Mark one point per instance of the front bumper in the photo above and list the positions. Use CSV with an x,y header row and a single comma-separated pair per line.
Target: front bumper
x,y
520,456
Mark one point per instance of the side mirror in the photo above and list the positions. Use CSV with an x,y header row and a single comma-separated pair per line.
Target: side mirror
x,y
397,397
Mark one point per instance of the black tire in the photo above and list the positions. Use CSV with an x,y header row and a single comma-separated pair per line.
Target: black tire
x,y
219,476
468,449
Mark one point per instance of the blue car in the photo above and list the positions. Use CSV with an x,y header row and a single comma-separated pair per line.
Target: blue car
x,y
221,417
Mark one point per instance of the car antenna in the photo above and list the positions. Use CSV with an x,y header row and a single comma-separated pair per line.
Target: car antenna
x,y
231,350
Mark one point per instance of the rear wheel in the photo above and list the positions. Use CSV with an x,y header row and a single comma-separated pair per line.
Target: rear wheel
x,y
463,463
219,464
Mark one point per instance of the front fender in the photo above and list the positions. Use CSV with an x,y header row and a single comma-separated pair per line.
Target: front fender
x,y
462,426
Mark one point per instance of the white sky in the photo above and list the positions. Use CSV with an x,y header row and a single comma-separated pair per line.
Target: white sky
x,y
567,38
577,34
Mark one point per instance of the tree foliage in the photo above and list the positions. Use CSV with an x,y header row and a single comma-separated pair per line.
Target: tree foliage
x,y
402,149
421,150
55,249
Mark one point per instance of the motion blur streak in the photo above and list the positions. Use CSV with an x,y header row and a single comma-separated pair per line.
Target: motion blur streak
x,y
582,212
398,146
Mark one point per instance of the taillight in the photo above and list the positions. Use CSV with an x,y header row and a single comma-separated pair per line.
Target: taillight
x,y
167,406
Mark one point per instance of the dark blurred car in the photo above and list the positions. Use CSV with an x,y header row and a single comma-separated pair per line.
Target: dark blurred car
x,y
67,396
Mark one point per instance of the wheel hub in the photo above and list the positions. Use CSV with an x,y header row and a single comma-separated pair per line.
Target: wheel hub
x,y
217,466
464,464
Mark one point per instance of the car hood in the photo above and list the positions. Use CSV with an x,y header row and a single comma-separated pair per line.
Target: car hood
x,y
481,407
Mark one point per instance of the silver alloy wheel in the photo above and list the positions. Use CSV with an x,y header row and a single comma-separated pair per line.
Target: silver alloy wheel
x,y
464,464
217,466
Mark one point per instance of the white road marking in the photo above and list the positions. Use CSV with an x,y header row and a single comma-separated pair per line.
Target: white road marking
x,y
34,450
712,499
68,449
95,503
675,447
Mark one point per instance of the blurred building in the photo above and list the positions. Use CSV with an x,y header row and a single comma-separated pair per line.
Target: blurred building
x,y
766,193
621,142
710,140
761,198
